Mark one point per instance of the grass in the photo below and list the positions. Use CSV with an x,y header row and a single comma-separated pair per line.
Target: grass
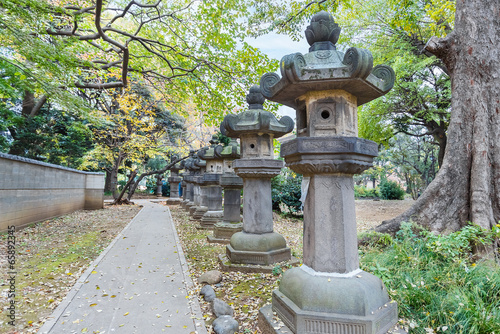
x,y
438,284
50,256
246,293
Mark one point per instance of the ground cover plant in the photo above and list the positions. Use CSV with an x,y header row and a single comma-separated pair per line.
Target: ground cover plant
x,y
246,293
440,286
50,257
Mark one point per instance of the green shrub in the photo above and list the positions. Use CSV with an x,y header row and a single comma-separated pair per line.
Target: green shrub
x,y
374,239
165,188
391,190
286,190
435,280
364,192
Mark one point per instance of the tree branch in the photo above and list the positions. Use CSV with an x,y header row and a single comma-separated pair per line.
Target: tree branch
x,y
38,105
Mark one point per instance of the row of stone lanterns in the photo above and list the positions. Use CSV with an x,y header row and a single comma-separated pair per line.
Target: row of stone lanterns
x,y
328,293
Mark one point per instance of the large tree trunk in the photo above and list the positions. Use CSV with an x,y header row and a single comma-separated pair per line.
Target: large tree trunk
x,y
114,174
107,180
467,187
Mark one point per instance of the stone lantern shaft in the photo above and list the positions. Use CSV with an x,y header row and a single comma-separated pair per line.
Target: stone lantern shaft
x,y
232,185
329,293
257,244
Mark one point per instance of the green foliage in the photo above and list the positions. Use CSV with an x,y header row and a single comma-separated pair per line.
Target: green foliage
x,y
165,188
53,136
277,270
416,159
151,184
223,140
391,190
286,190
364,192
435,280
375,239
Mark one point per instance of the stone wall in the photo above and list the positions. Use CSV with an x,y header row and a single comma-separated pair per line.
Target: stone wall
x,y
31,191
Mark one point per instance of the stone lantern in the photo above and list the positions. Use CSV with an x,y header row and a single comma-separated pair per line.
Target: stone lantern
x,y
257,244
213,191
188,177
159,185
232,185
199,169
174,181
200,199
329,293
184,182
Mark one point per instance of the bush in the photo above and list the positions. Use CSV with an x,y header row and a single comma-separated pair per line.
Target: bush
x,y
435,280
391,190
286,190
363,192
165,188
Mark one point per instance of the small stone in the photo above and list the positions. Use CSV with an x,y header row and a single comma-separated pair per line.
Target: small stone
x,y
210,277
220,308
208,293
225,324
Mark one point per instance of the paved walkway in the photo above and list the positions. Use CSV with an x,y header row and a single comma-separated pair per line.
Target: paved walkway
x,y
137,285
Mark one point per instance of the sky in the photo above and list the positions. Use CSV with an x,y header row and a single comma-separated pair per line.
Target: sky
x,y
278,46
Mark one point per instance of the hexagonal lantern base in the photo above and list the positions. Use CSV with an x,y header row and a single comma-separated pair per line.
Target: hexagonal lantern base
x,y
199,212
311,302
174,201
260,249
210,218
223,232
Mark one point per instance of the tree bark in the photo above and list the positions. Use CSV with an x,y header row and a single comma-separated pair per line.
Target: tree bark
x,y
114,174
118,199
107,180
467,187
132,186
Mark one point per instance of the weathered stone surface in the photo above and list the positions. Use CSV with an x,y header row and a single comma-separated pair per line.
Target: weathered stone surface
x,y
174,181
26,183
208,293
220,308
227,265
324,68
329,293
257,244
210,277
225,324
256,120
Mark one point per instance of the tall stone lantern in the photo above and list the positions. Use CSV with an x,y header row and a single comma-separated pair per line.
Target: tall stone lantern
x,y
189,179
329,293
232,185
183,182
199,169
200,198
185,164
174,181
213,190
257,244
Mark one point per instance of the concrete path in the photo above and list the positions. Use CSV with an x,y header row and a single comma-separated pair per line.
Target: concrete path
x,y
137,285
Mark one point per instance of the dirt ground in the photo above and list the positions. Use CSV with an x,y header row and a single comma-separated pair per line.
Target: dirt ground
x,y
370,213
52,254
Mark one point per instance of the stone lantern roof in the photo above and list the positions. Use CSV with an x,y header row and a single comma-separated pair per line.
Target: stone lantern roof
x,y
255,119
198,163
231,151
325,66
178,166
210,153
